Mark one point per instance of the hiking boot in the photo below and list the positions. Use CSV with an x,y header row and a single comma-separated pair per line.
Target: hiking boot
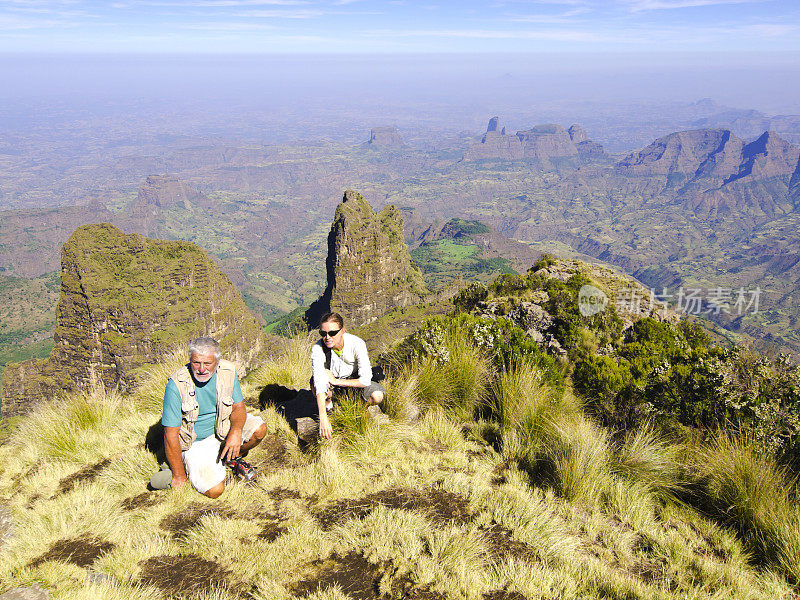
x,y
243,469
162,479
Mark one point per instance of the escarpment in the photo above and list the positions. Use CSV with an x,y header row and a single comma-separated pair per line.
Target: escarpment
x,y
714,171
126,300
369,268
548,146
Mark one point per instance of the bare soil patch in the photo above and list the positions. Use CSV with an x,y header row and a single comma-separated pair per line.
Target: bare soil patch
x,y
280,494
361,579
143,500
433,446
181,523
272,529
438,505
81,551
183,575
358,578
270,454
85,474
500,543
503,595
651,571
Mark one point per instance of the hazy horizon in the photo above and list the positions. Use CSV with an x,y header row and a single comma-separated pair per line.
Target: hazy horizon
x,y
403,90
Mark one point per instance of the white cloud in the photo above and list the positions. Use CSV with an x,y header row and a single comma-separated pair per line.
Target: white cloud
x,y
550,34
770,29
564,17
281,14
643,5
230,26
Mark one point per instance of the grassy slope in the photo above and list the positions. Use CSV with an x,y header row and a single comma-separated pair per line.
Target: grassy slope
x,y
416,511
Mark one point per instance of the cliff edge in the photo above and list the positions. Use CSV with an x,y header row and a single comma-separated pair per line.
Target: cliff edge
x,y
126,300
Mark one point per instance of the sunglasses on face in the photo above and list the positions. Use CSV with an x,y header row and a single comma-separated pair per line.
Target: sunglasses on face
x,y
331,333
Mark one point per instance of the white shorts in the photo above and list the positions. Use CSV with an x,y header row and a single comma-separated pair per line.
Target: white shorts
x,y
201,460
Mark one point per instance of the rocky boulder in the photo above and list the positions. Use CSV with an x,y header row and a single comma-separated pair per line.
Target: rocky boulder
x,y
369,268
125,301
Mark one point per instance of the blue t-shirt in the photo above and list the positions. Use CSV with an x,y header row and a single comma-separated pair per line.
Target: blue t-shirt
x,y
206,396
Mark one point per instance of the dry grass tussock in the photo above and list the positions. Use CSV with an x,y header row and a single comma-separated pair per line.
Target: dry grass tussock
x,y
743,486
291,367
382,510
457,385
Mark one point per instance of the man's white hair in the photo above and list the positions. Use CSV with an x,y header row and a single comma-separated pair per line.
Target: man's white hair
x,y
205,345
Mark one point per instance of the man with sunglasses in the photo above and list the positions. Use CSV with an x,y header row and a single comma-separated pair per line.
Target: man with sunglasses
x,y
339,360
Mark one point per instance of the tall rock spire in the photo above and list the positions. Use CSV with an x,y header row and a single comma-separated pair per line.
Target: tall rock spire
x,y
369,268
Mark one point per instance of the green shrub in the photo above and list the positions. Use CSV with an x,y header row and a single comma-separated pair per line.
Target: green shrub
x,y
660,372
500,340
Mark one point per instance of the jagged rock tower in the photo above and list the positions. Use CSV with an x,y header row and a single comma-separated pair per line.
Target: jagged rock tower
x,y
369,268
125,300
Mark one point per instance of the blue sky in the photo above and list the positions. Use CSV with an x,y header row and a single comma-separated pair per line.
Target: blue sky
x,y
400,26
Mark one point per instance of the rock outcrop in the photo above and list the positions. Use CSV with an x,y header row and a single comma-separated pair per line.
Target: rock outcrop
x,y
126,300
794,186
369,268
159,193
385,136
549,146
713,170
496,144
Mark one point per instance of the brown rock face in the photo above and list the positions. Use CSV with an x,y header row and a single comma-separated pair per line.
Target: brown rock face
x,y
545,142
545,145
712,170
163,192
385,136
370,271
577,134
794,186
684,153
125,300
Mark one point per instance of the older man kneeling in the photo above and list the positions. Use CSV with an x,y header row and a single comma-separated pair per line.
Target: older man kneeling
x,y
205,423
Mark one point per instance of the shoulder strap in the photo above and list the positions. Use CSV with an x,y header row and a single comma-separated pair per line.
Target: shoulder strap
x,y
327,352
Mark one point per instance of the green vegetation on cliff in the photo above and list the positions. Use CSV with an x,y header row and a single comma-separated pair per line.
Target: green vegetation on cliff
x,y
459,251
125,300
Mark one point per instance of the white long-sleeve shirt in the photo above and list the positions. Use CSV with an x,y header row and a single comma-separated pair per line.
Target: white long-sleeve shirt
x,y
353,360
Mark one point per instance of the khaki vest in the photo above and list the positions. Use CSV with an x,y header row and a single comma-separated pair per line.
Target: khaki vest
x,y
226,376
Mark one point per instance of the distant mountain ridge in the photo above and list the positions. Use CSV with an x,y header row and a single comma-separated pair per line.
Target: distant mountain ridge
x,y
714,170
542,144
